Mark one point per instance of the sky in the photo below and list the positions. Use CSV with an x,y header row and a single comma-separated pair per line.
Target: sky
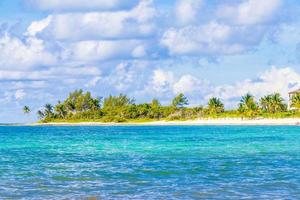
x,y
145,49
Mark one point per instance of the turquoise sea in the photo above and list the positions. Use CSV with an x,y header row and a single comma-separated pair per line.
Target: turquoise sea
x,y
150,162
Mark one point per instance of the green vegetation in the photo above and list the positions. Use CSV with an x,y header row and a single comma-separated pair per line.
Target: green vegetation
x,y
248,106
180,101
296,101
273,103
26,110
82,107
215,106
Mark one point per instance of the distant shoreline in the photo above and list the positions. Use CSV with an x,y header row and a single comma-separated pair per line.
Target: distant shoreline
x,y
199,122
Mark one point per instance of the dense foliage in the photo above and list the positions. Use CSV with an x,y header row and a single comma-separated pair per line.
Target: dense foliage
x,y
296,101
81,106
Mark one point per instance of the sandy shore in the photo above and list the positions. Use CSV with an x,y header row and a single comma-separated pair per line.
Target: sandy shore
x,y
225,121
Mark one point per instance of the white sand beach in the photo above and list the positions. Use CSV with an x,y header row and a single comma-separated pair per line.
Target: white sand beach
x,y
198,122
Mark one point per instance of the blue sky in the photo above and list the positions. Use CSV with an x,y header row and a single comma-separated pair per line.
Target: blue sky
x,y
146,49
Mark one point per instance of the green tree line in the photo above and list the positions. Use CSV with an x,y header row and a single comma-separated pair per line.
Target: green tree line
x,y
82,106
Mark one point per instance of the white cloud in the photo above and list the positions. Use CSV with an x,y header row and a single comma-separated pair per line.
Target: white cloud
x,y
23,54
280,80
25,85
235,28
250,12
191,85
105,50
10,96
38,26
166,82
187,10
127,77
20,94
71,5
93,82
54,72
162,81
134,23
139,51
210,38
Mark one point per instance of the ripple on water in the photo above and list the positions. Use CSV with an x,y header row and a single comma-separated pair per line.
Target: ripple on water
x,y
150,162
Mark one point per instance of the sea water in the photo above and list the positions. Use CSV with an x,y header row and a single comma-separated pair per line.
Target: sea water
x,y
150,162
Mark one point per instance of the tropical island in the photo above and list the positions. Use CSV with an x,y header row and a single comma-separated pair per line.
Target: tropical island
x,y
81,107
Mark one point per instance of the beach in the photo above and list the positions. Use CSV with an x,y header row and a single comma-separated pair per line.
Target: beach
x,y
197,122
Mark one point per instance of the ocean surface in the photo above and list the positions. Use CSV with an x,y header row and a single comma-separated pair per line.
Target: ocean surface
x,y
140,162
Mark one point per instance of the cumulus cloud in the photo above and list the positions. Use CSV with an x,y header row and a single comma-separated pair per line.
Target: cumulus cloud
x,y
93,82
48,73
187,10
281,80
127,77
166,84
105,50
191,85
79,5
206,39
38,26
250,12
236,28
13,95
108,46
162,81
19,94
134,23
23,54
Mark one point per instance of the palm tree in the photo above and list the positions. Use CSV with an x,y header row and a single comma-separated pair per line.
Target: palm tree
x,y
26,110
60,109
248,105
215,105
265,102
180,101
273,103
48,110
296,101
278,103
40,114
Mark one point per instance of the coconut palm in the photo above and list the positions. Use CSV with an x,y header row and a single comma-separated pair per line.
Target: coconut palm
x,y
60,109
40,114
296,101
26,110
180,101
248,106
48,110
215,105
273,103
278,104
265,103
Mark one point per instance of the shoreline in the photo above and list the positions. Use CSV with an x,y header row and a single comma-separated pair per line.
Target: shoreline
x,y
197,122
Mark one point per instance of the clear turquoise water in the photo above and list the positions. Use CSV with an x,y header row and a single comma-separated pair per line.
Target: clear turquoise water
x,y
150,162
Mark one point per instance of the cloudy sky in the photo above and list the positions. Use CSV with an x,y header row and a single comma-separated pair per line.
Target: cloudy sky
x,y
146,49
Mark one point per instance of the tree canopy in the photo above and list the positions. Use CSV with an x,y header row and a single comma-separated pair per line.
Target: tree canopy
x,y
26,109
80,106
273,103
296,101
180,101
215,105
248,106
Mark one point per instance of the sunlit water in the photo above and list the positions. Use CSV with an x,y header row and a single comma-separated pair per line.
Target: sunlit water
x,y
150,162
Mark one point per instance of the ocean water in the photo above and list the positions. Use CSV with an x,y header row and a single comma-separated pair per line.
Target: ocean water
x,y
172,162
